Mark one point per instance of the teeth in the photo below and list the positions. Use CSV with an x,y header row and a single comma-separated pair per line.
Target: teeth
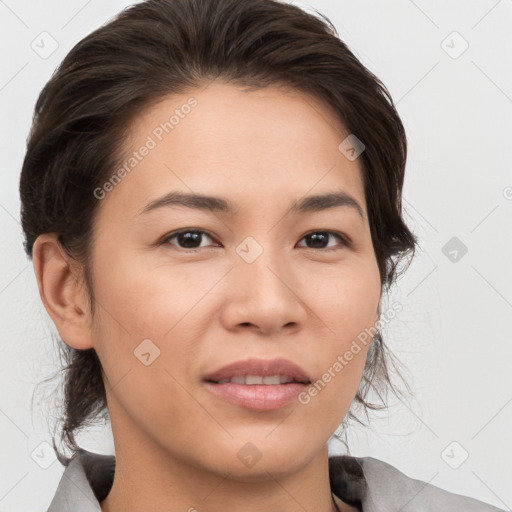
x,y
272,379
257,379
237,380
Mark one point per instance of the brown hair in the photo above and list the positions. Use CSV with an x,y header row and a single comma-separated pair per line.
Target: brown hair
x,y
160,47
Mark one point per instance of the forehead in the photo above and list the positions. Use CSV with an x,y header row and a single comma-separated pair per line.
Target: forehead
x,y
250,145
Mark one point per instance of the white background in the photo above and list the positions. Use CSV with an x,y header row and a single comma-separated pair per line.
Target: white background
x,y
453,333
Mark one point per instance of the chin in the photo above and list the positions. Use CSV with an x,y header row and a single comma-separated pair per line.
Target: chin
x,y
257,457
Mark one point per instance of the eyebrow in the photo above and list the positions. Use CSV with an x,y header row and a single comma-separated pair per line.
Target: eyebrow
x,y
312,203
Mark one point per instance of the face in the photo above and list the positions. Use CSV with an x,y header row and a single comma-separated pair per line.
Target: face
x,y
260,279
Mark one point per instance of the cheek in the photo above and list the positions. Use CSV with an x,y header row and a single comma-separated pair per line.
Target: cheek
x,y
347,301
349,309
148,300
139,301
139,314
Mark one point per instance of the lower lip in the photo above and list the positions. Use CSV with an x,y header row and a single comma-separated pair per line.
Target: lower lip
x,y
258,397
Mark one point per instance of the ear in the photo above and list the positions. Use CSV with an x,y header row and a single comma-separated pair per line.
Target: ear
x,y
62,291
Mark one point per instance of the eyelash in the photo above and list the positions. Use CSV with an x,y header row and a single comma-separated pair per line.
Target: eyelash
x,y
345,241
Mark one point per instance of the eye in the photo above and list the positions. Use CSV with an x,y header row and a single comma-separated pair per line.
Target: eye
x,y
187,238
192,239
320,240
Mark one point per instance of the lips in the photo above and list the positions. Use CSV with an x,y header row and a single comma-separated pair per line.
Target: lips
x,y
258,384
287,370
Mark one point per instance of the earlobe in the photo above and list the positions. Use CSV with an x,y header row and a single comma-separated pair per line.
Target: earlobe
x,y
61,292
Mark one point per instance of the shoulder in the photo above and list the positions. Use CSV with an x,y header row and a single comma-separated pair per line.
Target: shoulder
x,y
86,481
374,485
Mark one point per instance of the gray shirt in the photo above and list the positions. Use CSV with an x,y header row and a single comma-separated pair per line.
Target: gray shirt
x,y
369,484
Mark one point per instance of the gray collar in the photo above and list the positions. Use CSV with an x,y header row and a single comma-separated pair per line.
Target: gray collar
x,y
369,484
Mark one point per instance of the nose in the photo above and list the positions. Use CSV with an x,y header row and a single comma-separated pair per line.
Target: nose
x,y
265,296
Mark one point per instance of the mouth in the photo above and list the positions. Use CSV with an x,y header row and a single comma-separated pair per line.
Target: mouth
x,y
254,380
258,384
255,371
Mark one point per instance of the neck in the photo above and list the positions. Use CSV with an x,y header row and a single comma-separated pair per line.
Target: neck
x,y
148,479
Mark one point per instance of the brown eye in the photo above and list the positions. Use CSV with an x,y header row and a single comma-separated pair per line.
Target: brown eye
x,y
187,239
320,240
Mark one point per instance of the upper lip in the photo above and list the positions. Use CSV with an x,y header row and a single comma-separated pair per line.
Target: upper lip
x,y
260,367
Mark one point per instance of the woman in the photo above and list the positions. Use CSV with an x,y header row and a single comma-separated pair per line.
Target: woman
x,y
211,196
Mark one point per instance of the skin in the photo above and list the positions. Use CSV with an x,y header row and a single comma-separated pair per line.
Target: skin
x,y
175,442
